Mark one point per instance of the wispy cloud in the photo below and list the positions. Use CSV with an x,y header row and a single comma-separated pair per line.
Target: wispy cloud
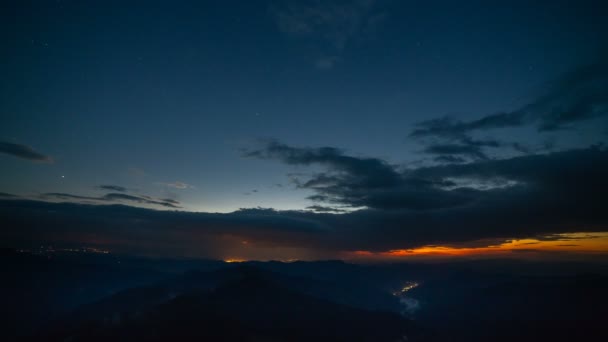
x,y
24,152
326,62
331,25
178,185
576,97
113,198
324,209
463,147
136,172
112,188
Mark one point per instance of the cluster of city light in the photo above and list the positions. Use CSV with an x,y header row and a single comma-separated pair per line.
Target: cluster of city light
x,y
234,260
51,249
406,287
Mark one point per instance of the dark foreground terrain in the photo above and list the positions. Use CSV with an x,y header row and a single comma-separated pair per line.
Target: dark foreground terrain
x,y
87,297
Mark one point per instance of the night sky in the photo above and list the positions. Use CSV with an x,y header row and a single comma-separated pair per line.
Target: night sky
x,y
305,129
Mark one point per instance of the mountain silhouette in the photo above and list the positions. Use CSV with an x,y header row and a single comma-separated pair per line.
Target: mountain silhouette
x,y
248,304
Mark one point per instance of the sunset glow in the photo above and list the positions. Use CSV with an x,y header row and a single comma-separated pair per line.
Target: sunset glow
x,y
234,260
580,243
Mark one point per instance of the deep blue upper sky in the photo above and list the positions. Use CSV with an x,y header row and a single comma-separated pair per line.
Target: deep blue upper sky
x,y
148,94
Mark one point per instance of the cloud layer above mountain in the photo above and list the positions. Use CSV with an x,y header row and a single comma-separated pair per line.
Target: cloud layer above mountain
x,y
455,204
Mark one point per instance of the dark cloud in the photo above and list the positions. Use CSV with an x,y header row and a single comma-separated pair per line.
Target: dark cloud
x,y
559,237
7,195
579,95
113,188
369,171
23,152
114,197
370,182
558,170
454,144
138,199
522,196
534,196
449,159
248,193
64,196
146,231
359,182
324,209
447,127
445,150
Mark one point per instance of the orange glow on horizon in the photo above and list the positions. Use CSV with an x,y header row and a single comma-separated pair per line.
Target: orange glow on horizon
x,y
234,260
573,243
